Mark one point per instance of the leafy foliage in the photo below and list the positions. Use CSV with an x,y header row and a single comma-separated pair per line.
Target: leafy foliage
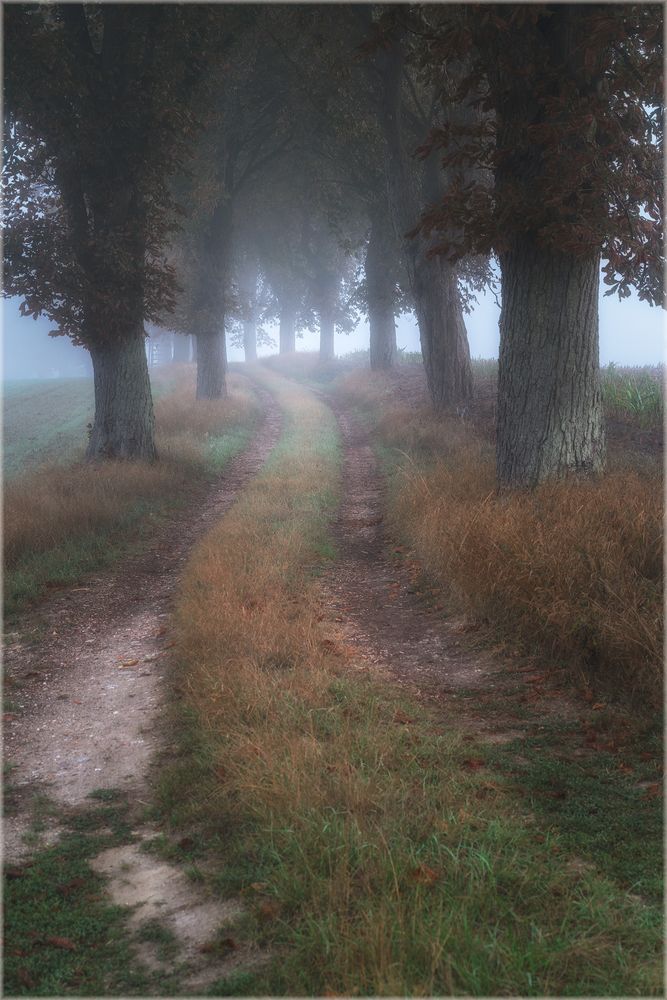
x,y
567,143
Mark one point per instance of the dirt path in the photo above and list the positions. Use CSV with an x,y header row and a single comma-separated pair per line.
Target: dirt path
x,y
88,697
373,607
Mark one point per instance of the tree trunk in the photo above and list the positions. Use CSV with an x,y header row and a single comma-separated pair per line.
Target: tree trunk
x,y
247,275
549,418
211,365
250,339
327,327
442,331
208,317
181,349
124,424
287,328
381,292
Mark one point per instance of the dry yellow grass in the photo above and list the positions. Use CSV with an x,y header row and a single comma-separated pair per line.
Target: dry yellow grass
x,y
573,568
376,863
55,503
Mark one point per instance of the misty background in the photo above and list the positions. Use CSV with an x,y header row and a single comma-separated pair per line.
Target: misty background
x,y
631,333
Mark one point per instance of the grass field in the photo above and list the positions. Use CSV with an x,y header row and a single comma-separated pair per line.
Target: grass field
x,y
64,518
372,859
44,422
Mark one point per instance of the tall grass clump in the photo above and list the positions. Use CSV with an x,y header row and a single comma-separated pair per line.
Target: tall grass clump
x,y
59,520
634,393
372,860
572,570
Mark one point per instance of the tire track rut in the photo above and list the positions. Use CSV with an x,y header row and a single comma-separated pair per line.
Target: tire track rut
x,y
88,716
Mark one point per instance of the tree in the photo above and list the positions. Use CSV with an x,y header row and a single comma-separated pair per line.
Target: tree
x,y
97,119
406,110
571,133
247,128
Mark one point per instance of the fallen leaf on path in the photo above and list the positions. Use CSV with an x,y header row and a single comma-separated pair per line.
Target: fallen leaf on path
x,y
9,716
227,944
425,875
269,909
14,872
69,887
599,705
653,790
60,942
127,663
474,763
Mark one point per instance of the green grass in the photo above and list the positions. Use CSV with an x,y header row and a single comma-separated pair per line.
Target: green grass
x,y
45,421
69,561
634,393
395,859
62,935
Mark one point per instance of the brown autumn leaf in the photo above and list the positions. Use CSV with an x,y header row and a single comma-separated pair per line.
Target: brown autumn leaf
x,y
127,663
653,791
269,909
69,887
474,763
258,886
14,872
401,717
599,705
226,944
426,875
26,979
60,942
625,768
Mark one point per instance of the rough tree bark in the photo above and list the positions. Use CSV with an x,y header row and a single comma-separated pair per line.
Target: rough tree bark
x,y
380,290
442,331
287,327
124,424
550,419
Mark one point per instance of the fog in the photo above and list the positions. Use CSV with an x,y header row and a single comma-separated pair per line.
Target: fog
x,y
631,333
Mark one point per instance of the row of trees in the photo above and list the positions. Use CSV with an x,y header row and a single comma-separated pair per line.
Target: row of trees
x,y
189,165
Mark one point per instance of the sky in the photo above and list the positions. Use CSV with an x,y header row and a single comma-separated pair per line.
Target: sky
x,y
631,333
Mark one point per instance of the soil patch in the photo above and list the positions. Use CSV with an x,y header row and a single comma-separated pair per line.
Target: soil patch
x,y
375,608
87,686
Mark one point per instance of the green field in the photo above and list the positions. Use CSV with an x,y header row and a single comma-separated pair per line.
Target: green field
x,y
44,421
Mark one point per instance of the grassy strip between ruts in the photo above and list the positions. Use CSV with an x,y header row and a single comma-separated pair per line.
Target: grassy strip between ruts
x,y
62,521
379,859
572,570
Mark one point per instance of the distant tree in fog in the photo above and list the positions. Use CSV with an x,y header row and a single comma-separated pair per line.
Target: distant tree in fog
x,y
98,117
